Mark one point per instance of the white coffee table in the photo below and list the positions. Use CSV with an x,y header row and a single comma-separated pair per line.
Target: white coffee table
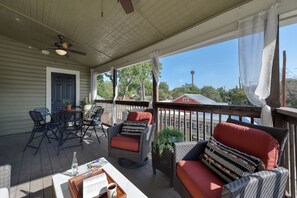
x,y
60,182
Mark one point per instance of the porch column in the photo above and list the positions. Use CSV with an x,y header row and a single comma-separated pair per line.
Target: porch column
x,y
93,85
115,94
155,99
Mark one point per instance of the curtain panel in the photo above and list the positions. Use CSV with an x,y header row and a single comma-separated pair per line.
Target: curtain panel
x,y
257,41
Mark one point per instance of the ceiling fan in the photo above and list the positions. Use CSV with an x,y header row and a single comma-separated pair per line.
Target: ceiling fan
x,y
127,6
62,47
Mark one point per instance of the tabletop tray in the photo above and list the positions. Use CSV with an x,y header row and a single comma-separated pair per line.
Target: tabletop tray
x,y
75,184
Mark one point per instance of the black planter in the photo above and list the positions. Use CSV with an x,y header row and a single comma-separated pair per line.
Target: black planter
x,y
163,163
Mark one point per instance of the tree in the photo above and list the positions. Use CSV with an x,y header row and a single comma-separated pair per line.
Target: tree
x,y
225,95
179,91
164,92
238,97
291,93
212,93
136,75
104,88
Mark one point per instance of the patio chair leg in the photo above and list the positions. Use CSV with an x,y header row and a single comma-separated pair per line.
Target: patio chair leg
x,y
103,130
30,140
40,143
97,137
49,141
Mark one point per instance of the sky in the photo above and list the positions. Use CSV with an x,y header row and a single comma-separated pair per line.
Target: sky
x,y
217,65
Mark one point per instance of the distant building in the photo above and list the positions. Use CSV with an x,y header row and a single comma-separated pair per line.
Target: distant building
x,y
196,99
187,85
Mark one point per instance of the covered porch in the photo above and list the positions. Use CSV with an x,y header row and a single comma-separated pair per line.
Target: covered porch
x,y
113,40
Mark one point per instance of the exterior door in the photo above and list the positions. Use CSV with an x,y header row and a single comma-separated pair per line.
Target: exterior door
x,y
63,87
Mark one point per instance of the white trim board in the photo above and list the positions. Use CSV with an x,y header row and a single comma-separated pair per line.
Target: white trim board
x,y
49,71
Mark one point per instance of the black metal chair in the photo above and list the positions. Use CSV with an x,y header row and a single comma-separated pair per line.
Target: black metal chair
x,y
70,127
40,126
54,121
94,121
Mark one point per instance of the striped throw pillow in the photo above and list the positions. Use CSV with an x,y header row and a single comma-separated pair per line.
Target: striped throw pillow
x,y
133,127
230,164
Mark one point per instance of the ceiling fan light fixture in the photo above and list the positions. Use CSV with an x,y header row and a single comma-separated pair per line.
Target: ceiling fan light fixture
x,y
61,52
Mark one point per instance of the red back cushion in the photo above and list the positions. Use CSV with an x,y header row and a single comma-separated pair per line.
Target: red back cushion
x,y
140,116
249,140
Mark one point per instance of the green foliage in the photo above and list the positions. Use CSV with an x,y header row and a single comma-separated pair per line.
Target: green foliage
x,y
135,80
164,92
179,91
238,97
165,139
291,93
67,101
211,93
104,88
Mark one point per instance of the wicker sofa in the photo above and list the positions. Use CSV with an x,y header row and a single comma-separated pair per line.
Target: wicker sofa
x,y
192,178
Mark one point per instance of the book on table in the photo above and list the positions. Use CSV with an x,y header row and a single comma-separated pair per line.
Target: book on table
x,y
98,163
95,185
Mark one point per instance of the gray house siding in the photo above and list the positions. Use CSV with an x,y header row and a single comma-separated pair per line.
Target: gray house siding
x,y
23,83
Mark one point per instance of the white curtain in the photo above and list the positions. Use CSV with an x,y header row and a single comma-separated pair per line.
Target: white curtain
x,y
155,68
155,65
257,40
113,112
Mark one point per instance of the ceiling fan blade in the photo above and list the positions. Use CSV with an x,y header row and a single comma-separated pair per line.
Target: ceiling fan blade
x,y
76,52
127,6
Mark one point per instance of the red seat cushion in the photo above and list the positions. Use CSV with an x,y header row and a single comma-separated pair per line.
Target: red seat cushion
x,y
198,179
140,116
130,143
249,140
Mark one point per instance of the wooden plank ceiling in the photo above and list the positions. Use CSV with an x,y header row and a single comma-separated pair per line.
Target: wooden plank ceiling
x,y
108,37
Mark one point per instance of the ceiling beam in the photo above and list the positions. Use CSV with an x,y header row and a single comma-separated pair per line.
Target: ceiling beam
x,y
214,30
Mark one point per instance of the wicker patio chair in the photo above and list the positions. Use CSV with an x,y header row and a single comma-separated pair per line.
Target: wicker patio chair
x,y
262,184
128,157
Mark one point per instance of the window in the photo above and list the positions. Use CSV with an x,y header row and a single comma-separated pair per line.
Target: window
x,y
185,99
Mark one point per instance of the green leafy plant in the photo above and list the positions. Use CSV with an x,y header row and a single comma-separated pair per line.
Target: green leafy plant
x,y
67,101
166,138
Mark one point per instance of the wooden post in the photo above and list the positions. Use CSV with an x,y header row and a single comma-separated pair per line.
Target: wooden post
x,y
114,81
274,98
155,99
284,104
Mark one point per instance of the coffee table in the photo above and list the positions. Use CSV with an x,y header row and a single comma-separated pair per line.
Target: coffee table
x,y
60,182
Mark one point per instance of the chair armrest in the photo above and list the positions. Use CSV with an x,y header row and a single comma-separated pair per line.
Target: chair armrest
x,y
267,183
113,131
188,150
5,176
148,133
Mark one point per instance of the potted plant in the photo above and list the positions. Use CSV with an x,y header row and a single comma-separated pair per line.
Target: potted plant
x,y
162,151
165,140
67,102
